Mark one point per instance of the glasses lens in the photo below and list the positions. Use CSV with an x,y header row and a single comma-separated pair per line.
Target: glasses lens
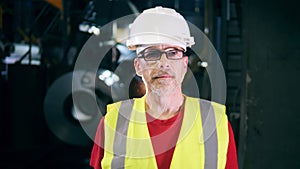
x,y
152,55
174,54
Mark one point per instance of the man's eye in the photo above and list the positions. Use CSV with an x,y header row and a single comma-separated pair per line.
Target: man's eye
x,y
151,55
172,53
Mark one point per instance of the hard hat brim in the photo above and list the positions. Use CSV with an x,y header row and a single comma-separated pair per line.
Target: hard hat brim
x,y
154,39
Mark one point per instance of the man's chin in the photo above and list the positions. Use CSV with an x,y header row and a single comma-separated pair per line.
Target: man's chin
x,y
164,88
164,81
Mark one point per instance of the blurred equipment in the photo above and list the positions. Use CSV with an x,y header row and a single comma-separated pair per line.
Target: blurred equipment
x,y
19,50
99,13
39,27
57,3
70,106
89,25
108,77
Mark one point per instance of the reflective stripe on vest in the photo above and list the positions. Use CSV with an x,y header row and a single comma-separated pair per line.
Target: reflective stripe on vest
x,y
208,118
200,143
119,147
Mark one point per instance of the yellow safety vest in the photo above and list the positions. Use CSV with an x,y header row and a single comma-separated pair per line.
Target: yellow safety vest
x,y
202,142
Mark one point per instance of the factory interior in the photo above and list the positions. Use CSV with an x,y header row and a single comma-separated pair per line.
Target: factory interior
x,y
63,61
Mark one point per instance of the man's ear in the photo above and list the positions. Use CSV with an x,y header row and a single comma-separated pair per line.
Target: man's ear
x,y
137,67
186,61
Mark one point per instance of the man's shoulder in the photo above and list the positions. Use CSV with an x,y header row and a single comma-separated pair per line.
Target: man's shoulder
x,y
117,104
127,103
204,101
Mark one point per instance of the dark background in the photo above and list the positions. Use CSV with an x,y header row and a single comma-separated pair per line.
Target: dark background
x,y
258,43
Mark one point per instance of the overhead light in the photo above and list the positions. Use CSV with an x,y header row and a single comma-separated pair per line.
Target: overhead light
x,y
108,77
202,64
89,28
94,30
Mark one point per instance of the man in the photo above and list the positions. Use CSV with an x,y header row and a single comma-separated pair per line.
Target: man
x,y
163,129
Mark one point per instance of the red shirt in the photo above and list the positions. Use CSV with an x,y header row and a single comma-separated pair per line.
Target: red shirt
x,y
156,127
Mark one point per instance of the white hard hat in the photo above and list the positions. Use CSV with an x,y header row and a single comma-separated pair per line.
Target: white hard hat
x,y
159,26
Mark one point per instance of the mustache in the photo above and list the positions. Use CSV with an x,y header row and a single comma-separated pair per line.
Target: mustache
x,y
162,73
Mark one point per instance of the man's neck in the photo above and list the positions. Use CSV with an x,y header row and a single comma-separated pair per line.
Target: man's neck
x,y
164,106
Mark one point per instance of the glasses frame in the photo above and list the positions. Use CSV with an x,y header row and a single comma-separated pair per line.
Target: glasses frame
x,y
141,54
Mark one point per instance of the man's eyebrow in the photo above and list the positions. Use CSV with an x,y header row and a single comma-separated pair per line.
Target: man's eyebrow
x,y
171,48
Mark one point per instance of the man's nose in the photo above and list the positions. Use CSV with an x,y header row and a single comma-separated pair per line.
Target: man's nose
x,y
164,61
